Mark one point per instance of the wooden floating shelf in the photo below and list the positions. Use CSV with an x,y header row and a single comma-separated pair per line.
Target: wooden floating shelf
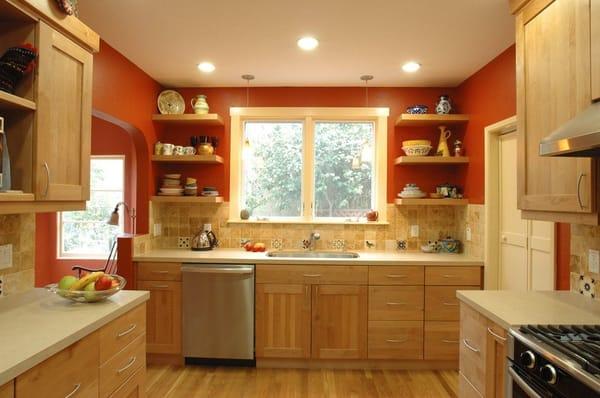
x,y
188,159
16,197
210,119
11,101
431,202
429,119
187,199
431,160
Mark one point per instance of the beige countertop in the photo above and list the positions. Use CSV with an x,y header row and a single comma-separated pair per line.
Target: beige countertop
x,y
38,324
510,308
240,256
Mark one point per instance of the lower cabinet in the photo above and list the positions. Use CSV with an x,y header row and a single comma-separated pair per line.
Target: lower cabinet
x,y
7,390
134,387
395,340
441,341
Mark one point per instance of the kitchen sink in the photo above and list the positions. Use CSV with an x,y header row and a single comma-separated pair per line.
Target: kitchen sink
x,y
311,254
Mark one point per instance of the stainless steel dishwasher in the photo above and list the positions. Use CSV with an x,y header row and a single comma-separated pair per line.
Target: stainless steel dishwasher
x,y
218,312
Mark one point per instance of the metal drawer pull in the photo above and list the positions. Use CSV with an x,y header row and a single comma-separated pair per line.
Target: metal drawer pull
x,y
451,304
312,275
160,272
449,276
396,341
160,286
396,276
490,331
77,387
126,332
450,341
579,190
45,194
469,346
129,364
393,303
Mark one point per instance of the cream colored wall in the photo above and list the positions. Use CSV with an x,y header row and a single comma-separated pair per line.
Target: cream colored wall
x,y
18,230
583,238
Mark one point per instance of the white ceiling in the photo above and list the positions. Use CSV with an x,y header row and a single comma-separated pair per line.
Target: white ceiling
x,y
167,39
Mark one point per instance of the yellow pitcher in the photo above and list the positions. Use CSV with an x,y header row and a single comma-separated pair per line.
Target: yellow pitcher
x,y
442,149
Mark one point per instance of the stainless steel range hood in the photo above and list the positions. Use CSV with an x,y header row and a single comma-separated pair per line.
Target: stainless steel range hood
x,y
579,137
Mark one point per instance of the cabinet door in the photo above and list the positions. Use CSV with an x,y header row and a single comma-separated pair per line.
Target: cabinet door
x,y
8,390
595,9
473,347
163,316
553,85
134,387
495,361
64,117
339,321
282,321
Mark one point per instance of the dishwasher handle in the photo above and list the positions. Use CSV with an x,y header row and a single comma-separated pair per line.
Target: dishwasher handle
x,y
217,270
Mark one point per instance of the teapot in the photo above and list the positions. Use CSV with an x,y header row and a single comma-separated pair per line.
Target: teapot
x,y
204,240
200,105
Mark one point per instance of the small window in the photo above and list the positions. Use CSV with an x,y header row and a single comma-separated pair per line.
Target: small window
x,y
86,234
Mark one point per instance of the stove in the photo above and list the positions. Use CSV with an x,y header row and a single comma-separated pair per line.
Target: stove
x,y
554,361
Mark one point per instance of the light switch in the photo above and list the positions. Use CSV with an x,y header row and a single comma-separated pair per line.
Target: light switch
x,y
468,236
6,256
594,261
414,231
157,229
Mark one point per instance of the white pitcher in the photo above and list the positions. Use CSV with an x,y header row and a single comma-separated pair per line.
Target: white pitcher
x,y
200,105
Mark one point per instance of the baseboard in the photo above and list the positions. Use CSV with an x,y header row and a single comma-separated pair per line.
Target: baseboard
x,y
357,364
165,359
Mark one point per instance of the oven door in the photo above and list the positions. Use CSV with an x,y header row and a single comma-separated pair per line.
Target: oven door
x,y
521,385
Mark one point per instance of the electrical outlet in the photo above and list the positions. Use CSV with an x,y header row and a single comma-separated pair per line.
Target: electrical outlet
x,y
414,231
157,229
6,256
1,285
183,242
468,236
594,261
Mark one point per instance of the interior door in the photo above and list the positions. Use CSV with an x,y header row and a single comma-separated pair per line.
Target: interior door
x,y
541,255
513,229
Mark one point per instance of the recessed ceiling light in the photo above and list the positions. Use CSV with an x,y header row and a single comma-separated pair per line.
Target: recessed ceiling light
x,y
308,43
411,67
206,67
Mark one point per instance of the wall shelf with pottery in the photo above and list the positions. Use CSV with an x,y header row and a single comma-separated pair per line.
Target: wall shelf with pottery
x,y
12,102
188,159
209,119
187,199
430,119
431,202
431,160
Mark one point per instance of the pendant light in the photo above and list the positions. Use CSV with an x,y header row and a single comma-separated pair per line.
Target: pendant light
x,y
366,79
248,79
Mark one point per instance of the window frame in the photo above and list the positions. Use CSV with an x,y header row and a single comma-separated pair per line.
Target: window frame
x,y
59,224
309,116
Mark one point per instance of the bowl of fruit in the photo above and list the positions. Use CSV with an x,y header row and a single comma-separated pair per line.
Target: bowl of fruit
x,y
90,288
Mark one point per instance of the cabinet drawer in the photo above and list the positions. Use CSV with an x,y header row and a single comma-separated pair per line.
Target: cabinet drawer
x,y
466,389
119,333
313,274
134,387
441,340
449,276
441,303
73,370
391,275
122,366
472,346
159,271
8,390
395,303
395,340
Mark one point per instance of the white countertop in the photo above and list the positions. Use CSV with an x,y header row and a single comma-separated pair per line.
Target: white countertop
x,y
510,308
240,256
38,324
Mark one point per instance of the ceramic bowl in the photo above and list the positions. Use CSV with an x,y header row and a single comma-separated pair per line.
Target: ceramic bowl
x,y
417,150
416,142
417,109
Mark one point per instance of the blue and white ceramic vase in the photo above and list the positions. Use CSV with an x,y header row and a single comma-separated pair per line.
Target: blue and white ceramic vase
x,y
444,106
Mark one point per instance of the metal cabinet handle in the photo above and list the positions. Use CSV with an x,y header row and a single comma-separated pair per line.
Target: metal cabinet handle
x,y
394,303
160,272
45,194
450,341
449,276
450,304
579,189
396,276
77,387
126,332
469,346
312,275
129,364
490,331
396,341
160,286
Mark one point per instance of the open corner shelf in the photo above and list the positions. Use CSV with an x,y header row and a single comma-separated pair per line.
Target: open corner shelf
x,y
188,159
210,119
12,102
16,197
431,202
430,119
187,199
431,160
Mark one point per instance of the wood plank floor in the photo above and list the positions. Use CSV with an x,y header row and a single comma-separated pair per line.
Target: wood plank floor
x,y
221,382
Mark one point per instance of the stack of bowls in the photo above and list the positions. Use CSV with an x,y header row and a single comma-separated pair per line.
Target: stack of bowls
x,y
412,191
171,185
416,147
191,188
209,191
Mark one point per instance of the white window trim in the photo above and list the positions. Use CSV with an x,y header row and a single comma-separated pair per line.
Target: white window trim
x,y
59,222
379,117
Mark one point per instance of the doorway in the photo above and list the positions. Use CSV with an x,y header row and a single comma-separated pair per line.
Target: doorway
x,y
519,253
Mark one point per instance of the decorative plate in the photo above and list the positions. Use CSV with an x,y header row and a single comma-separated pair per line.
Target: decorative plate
x,y
170,102
69,7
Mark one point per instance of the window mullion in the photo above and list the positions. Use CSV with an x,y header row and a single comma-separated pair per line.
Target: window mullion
x,y
308,171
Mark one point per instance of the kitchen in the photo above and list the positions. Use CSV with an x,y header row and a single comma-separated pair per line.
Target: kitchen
x,y
335,205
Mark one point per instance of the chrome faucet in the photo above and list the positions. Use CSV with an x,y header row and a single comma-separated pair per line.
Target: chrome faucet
x,y
311,242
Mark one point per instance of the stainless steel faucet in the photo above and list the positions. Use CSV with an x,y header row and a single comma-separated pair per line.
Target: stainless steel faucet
x,y
311,242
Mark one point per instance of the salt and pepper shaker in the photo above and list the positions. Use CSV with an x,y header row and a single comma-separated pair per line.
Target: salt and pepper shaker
x,y
458,148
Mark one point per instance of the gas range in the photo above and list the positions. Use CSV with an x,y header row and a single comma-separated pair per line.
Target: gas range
x,y
554,361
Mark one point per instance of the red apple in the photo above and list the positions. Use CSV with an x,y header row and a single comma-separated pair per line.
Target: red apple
x,y
104,283
249,246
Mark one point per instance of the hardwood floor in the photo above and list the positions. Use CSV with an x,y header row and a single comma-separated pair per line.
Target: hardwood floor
x,y
220,382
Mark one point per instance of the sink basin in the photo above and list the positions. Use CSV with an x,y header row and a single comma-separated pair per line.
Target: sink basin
x,y
312,254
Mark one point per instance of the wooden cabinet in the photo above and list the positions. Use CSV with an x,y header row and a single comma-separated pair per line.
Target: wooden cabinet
x,y
134,387
395,340
482,355
395,303
441,341
118,369
339,322
595,37
283,321
163,316
7,390
554,80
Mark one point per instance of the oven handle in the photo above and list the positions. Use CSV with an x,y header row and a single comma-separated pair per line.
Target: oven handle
x,y
521,383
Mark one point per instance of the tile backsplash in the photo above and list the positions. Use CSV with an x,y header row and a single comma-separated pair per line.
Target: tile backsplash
x,y
19,231
584,238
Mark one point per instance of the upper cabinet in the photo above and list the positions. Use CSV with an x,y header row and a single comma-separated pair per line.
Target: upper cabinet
x,y
595,20
554,83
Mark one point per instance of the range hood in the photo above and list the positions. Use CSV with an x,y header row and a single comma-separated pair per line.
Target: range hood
x,y
579,137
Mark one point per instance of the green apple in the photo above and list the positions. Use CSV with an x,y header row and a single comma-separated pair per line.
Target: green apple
x,y
90,292
66,282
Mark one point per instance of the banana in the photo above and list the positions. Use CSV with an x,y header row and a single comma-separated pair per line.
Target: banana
x,y
86,280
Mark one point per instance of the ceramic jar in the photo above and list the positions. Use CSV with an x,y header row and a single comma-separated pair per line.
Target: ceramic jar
x,y
200,105
444,106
